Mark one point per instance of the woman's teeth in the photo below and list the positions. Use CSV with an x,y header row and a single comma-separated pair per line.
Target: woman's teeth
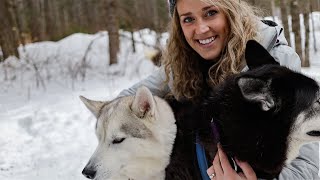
x,y
207,41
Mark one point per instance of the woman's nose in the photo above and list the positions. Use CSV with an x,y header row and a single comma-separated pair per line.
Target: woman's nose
x,y
202,27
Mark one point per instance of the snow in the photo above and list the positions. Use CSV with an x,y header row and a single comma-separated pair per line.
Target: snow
x,y
46,131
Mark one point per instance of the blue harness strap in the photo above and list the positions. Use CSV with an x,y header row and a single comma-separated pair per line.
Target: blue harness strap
x,y
201,155
202,160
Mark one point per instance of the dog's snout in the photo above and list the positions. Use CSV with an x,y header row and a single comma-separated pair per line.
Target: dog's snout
x,y
89,173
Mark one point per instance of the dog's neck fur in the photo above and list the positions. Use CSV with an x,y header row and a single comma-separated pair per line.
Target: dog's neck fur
x,y
293,149
156,175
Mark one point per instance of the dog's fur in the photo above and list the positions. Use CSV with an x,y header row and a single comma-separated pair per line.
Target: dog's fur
x,y
265,114
136,136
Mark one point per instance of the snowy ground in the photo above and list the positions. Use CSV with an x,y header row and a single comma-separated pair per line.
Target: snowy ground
x,y
46,132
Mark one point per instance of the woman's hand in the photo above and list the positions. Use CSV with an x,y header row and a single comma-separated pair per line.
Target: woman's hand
x,y
222,170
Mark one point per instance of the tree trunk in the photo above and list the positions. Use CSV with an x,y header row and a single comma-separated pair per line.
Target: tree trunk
x,y
8,31
42,21
53,23
156,22
273,9
313,29
305,60
37,20
113,29
306,12
295,11
49,19
284,18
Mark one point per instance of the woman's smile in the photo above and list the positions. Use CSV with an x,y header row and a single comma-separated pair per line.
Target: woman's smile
x,y
207,42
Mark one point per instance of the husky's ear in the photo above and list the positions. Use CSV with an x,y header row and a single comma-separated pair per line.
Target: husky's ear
x,y
257,90
256,55
93,106
143,102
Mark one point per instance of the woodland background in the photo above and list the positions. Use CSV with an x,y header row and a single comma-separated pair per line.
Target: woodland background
x,y
27,21
63,52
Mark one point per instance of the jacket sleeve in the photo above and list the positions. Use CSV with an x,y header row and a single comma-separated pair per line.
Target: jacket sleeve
x,y
305,166
155,82
286,56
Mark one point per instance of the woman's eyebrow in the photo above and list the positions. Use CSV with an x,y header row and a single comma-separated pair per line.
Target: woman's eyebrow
x,y
207,7
185,14
203,9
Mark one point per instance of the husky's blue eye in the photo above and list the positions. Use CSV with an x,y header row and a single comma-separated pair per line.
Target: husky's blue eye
x,y
118,141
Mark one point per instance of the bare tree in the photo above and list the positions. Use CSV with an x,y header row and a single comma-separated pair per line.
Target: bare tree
x,y
156,22
295,11
273,9
9,38
313,27
284,18
113,29
37,22
306,11
53,26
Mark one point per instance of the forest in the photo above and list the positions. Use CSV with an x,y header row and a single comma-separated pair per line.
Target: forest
x,y
27,21
53,51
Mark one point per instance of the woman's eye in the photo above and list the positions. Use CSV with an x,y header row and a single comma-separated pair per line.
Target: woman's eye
x,y
211,13
118,141
187,19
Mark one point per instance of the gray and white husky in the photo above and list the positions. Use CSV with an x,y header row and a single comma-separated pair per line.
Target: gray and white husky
x,y
136,136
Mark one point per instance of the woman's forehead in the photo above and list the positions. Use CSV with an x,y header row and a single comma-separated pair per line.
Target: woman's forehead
x,y
184,6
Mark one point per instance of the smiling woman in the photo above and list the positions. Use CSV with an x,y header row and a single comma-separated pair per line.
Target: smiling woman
x,y
207,41
204,26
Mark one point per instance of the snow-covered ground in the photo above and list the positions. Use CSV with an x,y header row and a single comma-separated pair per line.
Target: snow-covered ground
x,y
45,131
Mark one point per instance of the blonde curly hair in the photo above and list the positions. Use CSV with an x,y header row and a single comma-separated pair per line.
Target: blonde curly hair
x,y
182,63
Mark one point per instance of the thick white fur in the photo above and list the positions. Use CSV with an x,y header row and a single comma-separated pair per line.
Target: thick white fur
x,y
298,135
143,158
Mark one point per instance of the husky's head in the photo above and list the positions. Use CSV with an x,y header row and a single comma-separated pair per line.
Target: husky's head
x,y
136,135
284,93
266,113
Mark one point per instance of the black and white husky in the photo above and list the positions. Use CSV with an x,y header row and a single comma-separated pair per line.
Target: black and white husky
x,y
264,115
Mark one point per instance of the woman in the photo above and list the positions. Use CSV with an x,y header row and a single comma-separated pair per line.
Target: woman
x,y
207,43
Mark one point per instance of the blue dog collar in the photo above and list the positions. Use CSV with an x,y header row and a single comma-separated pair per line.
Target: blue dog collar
x,y
202,160
201,155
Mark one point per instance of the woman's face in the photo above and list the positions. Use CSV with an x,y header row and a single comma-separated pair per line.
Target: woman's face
x,y
204,27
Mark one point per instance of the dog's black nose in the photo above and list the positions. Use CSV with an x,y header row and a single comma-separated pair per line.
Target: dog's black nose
x,y
89,173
